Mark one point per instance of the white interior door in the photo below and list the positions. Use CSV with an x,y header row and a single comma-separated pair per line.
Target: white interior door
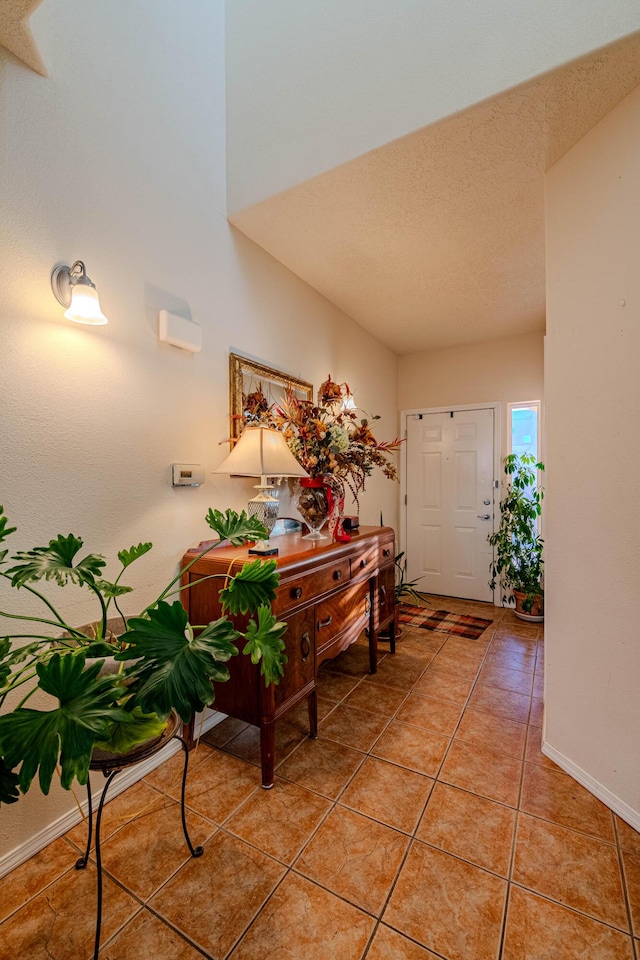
x,y
450,502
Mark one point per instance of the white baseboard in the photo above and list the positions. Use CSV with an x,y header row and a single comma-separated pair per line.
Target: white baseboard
x,y
624,811
59,827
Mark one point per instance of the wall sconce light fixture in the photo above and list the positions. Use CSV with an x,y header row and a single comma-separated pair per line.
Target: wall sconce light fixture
x,y
73,289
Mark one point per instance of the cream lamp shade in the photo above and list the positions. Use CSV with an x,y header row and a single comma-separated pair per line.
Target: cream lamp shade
x,y
262,452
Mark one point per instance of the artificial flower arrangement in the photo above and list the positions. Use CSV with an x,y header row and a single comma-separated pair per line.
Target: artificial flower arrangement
x,y
331,440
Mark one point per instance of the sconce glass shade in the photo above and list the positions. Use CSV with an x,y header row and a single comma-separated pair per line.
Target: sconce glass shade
x,y
85,306
73,289
262,452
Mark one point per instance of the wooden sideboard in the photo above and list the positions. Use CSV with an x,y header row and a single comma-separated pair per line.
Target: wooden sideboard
x,y
328,593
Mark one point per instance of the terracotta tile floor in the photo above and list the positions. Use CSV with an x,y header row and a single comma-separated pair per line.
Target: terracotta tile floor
x,y
423,823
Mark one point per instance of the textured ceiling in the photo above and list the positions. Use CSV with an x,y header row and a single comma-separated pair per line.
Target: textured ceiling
x,y
438,238
15,34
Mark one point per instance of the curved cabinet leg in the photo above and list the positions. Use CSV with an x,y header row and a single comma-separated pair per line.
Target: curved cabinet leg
x,y
392,635
312,704
267,752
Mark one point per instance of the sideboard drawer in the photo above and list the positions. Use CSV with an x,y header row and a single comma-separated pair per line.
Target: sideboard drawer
x,y
365,562
374,557
304,589
385,553
350,607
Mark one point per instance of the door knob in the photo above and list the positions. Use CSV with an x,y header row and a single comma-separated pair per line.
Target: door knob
x,y
484,516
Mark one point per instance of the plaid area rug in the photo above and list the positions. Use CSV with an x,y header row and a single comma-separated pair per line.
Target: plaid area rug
x,y
459,624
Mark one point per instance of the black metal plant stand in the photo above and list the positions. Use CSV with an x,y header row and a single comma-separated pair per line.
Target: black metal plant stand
x,y
110,765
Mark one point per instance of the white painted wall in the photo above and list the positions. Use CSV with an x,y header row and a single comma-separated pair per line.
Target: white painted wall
x,y
593,456
509,370
118,159
314,84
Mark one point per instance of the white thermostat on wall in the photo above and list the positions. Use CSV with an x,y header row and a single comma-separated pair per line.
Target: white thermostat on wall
x,y
186,475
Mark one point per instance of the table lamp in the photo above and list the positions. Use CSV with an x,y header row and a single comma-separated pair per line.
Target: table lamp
x,y
262,452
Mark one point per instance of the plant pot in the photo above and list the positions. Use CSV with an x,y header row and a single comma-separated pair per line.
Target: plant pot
x,y
115,627
535,614
107,762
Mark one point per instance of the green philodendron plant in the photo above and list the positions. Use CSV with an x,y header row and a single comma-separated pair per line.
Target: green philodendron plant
x,y
517,563
163,663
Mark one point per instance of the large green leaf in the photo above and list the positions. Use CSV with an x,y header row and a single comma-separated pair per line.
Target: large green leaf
x,y
55,562
9,658
126,735
236,528
8,784
87,706
174,668
108,589
252,587
265,645
100,648
5,531
133,553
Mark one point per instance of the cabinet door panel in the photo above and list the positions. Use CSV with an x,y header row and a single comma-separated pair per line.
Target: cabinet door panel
x,y
384,608
300,649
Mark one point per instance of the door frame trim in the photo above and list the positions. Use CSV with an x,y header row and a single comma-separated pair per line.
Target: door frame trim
x,y
494,405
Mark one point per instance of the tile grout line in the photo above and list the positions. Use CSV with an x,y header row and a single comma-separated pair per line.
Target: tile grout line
x,y
565,906
625,889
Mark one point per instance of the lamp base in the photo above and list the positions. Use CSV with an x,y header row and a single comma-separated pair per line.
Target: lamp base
x,y
264,549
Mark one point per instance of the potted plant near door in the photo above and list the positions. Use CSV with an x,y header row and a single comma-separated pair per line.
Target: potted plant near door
x,y
517,565
404,591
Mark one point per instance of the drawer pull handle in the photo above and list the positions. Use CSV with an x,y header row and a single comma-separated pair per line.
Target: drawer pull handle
x,y
386,552
324,623
363,562
305,646
337,574
296,593
383,591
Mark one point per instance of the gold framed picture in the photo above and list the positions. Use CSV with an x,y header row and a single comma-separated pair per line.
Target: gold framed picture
x,y
254,387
